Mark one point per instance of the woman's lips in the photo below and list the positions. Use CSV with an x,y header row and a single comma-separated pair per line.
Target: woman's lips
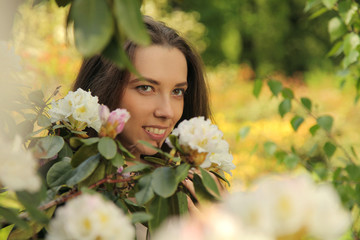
x,y
155,133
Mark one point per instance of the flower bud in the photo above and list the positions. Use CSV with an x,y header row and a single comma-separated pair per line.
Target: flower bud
x,y
113,123
104,113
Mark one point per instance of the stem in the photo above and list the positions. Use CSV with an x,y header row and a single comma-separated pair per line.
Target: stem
x,y
74,193
329,135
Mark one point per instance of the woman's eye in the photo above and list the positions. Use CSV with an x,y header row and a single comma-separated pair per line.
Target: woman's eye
x,y
179,92
144,88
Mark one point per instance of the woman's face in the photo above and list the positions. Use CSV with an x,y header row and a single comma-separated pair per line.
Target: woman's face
x,y
155,102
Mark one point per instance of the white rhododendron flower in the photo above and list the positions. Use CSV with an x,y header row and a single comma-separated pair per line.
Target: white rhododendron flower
x,y
204,141
90,217
290,207
80,109
18,169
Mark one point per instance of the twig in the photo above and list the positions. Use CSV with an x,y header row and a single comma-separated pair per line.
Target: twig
x,y
73,193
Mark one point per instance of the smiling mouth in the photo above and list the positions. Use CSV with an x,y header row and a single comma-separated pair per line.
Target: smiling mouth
x,y
157,131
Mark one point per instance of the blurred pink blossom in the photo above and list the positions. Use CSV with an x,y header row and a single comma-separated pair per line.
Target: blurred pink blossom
x,y
112,123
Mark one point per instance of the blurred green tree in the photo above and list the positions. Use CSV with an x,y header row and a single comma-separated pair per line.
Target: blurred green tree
x,y
269,35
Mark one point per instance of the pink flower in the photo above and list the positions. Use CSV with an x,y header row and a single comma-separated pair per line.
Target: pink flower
x,y
112,122
104,113
119,117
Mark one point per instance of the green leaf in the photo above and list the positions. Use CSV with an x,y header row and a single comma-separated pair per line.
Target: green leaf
x,y
156,160
82,154
329,149
314,129
284,107
353,151
34,228
84,170
275,87
287,93
221,177
291,160
270,148
181,172
116,54
336,28
107,147
93,25
140,217
66,151
43,121
310,4
318,13
13,217
325,122
257,87
49,146
329,3
4,232
146,192
347,10
124,150
136,168
280,156
353,172
31,203
164,181
37,97
296,122
157,149
183,203
59,173
243,132
175,143
89,141
118,160
337,49
129,19
209,182
350,59
159,209
201,192
351,42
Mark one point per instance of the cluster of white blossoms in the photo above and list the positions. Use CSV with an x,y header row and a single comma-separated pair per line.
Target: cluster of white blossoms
x,y
90,217
204,142
290,207
77,110
18,169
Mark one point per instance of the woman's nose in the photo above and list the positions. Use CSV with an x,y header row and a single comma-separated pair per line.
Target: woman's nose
x,y
164,108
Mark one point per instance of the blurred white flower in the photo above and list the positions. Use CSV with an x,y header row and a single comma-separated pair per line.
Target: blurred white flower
x,y
290,207
80,109
327,218
90,217
18,169
204,142
210,224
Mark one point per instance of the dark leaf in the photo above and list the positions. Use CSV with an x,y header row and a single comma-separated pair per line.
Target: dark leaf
x,y
287,93
296,122
84,170
140,217
325,122
284,107
146,192
93,25
129,19
107,147
209,182
257,87
275,87
164,181
49,146
158,208
329,149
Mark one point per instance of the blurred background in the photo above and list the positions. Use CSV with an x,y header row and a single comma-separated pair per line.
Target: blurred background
x,y
240,41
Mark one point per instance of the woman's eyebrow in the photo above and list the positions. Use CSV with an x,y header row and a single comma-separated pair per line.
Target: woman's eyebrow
x,y
152,81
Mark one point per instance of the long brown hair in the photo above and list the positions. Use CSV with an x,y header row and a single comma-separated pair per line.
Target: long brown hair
x,y
105,80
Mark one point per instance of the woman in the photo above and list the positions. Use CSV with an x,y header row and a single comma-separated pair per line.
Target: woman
x,y
173,87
